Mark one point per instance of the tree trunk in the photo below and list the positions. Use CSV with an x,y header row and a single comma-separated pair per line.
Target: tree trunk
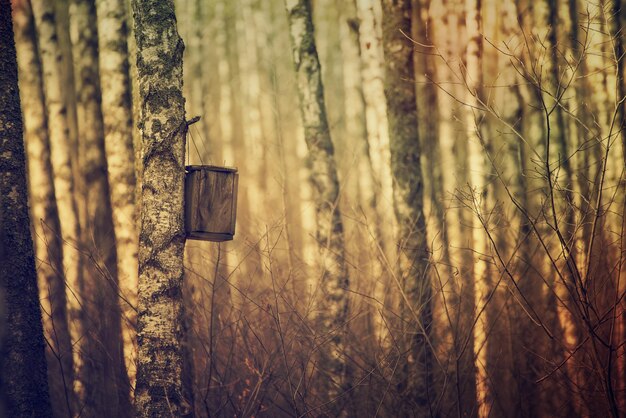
x,y
104,375
480,197
617,31
323,177
453,152
160,336
52,68
416,379
44,215
120,158
356,121
22,360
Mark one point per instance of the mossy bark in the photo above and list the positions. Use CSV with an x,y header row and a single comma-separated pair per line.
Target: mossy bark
x,y
416,379
324,182
159,388
22,359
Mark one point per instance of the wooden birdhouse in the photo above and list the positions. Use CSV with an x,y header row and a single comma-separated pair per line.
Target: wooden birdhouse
x,y
210,202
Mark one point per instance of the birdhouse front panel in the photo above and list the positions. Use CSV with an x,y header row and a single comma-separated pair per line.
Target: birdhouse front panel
x,y
210,202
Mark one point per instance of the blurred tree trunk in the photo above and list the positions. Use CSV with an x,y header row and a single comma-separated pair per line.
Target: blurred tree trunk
x,y
62,23
323,177
453,151
559,209
480,201
247,248
44,215
416,378
460,391
525,299
52,63
118,141
558,147
375,111
617,32
160,364
104,375
366,237
286,150
369,16
22,360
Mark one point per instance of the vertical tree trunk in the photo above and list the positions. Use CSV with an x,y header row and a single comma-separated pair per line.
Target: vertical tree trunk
x,y
355,115
371,54
44,215
617,32
22,358
120,158
160,336
104,374
453,150
451,319
323,177
369,14
478,168
522,331
52,68
417,376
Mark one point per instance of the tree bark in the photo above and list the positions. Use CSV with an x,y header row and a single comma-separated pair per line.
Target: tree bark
x,y
160,336
44,215
617,32
480,197
416,379
52,64
323,177
107,390
120,158
22,360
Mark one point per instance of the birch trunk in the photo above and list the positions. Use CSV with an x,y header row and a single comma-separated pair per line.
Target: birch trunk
x,y
118,141
369,14
22,358
104,375
44,215
161,241
523,332
416,378
478,168
324,181
52,64
356,122
618,25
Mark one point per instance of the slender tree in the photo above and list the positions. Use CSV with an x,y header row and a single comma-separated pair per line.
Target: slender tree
x,y
52,62
159,387
417,377
104,376
44,214
120,158
617,33
22,360
323,177
481,193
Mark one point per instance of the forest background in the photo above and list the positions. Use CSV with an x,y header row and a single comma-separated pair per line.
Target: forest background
x,y
430,213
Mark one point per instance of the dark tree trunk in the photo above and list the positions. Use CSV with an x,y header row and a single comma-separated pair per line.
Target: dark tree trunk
x,y
408,188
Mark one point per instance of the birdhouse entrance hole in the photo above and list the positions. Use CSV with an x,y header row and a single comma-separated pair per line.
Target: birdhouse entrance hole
x,y
210,202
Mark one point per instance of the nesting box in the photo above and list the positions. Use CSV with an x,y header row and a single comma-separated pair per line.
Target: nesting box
x,y
210,202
